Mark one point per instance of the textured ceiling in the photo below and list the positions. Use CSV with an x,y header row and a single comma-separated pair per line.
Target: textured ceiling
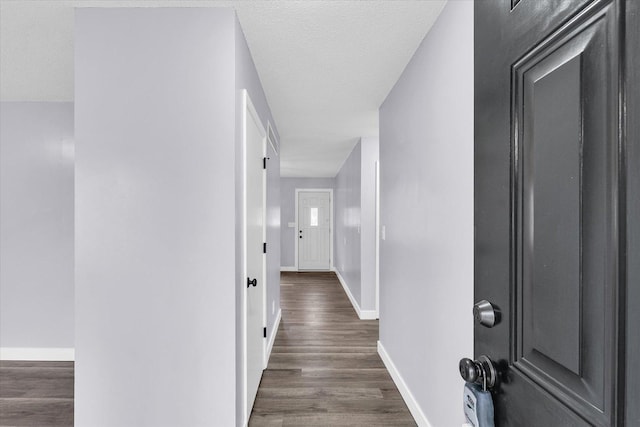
x,y
326,66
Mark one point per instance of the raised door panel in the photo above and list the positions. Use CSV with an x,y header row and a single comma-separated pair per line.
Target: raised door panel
x,y
564,188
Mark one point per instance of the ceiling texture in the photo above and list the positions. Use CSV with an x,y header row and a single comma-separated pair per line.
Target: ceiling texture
x,y
326,66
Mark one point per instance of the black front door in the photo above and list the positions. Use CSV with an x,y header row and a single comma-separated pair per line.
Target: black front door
x,y
555,168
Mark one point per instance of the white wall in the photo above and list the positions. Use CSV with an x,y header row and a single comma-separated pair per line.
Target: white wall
x,y
369,157
36,222
155,217
426,270
347,218
288,213
355,238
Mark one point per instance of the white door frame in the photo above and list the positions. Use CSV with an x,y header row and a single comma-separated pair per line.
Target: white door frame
x,y
318,190
247,106
377,221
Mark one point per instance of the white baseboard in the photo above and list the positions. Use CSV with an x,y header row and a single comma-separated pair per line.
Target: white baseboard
x,y
368,314
39,354
347,291
362,314
411,402
289,268
272,336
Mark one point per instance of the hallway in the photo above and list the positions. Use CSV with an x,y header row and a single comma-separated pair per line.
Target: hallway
x,y
324,368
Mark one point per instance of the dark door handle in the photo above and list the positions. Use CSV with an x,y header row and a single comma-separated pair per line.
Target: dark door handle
x,y
482,371
253,282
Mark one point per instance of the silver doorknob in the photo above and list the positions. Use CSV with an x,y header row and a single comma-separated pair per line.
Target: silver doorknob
x,y
486,314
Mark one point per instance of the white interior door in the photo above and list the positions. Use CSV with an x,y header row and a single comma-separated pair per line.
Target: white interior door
x,y
254,143
314,230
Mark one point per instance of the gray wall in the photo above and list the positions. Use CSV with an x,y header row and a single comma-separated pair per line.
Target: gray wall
x,y
247,78
155,215
288,212
426,260
369,157
355,214
347,219
36,223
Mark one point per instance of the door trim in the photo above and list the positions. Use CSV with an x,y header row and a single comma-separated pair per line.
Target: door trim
x,y
295,236
247,106
377,234
265,152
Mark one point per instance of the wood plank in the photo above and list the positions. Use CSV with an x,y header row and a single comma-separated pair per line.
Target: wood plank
x,y
37,382
351,420
34,393
36,412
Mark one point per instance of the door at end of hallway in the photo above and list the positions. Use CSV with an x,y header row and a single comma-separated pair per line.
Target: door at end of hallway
x,y
313,237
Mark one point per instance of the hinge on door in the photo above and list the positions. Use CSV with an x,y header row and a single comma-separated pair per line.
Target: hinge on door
x,y
264,332
264,248
264,163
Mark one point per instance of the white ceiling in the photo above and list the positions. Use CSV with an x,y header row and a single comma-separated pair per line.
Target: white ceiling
x,y
326,66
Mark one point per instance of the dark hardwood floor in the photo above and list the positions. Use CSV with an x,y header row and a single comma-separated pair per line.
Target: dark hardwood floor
x,y
324,369
36,393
